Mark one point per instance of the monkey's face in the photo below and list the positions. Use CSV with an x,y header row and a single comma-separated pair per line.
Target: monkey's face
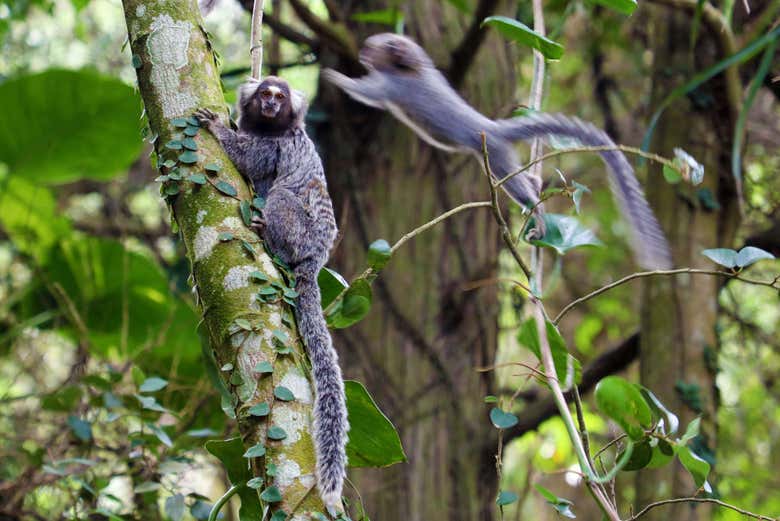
x,y
273,99
388,52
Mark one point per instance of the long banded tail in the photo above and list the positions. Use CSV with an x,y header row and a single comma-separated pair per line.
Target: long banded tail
x,y
330,410
647,239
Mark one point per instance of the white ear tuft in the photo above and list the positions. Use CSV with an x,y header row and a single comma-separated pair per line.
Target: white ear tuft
x,y
299,105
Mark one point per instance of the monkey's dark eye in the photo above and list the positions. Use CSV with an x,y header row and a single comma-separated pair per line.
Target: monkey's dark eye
x,y
266,93
279,96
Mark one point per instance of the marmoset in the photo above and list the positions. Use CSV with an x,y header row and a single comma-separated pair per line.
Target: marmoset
x,y
272,148
403,80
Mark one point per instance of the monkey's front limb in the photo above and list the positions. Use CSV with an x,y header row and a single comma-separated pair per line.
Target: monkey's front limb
x,y
368,90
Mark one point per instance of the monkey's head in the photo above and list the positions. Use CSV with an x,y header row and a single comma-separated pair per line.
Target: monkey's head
x,y
389,52
270,106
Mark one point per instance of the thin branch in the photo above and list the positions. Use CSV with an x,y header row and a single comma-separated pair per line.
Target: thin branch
x,y
256,39
506,234
417,231
771,284
700,500
603,148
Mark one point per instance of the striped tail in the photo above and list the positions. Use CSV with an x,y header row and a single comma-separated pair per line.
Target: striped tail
x,y
647,239
330,410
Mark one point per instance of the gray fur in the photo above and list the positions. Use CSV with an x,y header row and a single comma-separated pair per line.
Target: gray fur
x,y
403,80
299,226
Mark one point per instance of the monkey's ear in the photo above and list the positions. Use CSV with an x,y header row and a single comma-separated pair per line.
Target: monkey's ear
x,y
300,106
247,90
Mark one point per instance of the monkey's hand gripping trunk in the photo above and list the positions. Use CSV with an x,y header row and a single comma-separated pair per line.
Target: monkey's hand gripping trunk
x,y
647,239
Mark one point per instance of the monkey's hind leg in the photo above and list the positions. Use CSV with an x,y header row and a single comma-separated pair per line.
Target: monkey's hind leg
x,y
287,225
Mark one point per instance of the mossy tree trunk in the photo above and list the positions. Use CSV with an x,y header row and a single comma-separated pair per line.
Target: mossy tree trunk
x,y
177,73
678,329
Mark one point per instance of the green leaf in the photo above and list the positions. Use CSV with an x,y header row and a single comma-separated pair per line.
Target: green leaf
x,y
279,515
663,453
521,33
723,256
243,324
231,454
174,507
147,486
670,421
246,213
671,175
136,61
61,125
212,167
255,483
707,199
189,144
81,428
354,306
258,276
226,367
248,248
379,254
264,367
259,409
188,157
373,440
390,17
640,456
464,6
191,131
625,7
502,419
192,121
179,122
152,384
750,254
691,431
173,145
160,434
622,401
564,233
567,368
491,399
331,285
256,451
169,163
506,498
276,433
63,400
561,505
198,179
579,191
271,495
226,188
284,394
698,468
225,236
150,403
258,203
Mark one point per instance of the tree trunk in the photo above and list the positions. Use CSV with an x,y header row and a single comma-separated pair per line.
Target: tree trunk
x,y
678,340
425,335
177,73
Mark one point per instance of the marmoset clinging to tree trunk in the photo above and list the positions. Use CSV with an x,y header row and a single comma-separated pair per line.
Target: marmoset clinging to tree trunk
x,y
403,80
272,148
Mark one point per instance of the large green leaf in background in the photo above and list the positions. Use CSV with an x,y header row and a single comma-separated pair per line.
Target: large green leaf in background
x,y
60,125
373,440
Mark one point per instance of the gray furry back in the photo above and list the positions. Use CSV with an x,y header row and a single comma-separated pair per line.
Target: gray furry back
x,y
647,239
330,410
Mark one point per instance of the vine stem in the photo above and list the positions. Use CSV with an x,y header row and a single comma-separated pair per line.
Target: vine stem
x,y
406,237
221,502
256,39
771,284
700,500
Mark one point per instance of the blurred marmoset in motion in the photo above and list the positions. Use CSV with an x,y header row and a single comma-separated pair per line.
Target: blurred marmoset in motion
x,y
272,149
403,80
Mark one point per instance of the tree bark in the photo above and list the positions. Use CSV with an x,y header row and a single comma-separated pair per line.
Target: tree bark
x,y
177,73
678,319
425,335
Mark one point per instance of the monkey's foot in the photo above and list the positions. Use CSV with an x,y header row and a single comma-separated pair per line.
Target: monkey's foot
x,y
258,224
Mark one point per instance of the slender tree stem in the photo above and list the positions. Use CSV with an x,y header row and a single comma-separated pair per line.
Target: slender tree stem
x,y
221,502
771,284
256,45
700,500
